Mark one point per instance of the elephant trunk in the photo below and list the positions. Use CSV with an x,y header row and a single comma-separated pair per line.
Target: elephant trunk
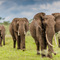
x,y
21,29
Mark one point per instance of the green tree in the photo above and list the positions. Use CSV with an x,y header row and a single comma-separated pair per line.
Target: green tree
x,y
2,18
6,22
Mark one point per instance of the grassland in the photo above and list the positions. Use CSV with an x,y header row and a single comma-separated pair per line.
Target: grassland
x,y
7,52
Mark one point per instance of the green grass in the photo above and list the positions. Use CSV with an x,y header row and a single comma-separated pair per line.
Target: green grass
x,y
7,52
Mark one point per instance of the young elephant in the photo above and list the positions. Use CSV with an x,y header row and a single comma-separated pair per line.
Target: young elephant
x,y
2,35
57,26
37,32
49,25
18,29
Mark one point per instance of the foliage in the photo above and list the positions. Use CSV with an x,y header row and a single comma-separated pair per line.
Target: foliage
x,y
2,18
6,22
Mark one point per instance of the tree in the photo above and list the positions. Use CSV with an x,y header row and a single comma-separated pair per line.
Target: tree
x,y
2,18
6,22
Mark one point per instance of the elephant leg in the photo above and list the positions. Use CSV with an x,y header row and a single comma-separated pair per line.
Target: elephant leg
x,y
3,40
23,42
19,39
0,41
43,48
58,42
14,43
50,50
16,35
38,46
18,47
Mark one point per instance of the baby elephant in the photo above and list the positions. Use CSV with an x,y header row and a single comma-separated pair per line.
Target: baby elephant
x,y
2,35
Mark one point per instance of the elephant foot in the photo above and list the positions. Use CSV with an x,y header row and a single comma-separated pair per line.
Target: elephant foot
x,y
59,46
38,52
18,48
54,53
49,55
13,46
59,43
0,45
23,49
43,55
4,44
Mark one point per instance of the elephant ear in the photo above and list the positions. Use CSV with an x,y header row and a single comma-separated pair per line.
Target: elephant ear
x,y
44,22
43,13
38,31
17,25
53,14
26,25
57,17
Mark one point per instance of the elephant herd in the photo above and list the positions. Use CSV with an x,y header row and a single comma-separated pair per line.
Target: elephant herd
x,y
42,29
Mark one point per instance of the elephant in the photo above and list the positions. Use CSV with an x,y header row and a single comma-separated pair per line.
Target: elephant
x,y
42,30
36,31
2,35
18,29
49,26
57,26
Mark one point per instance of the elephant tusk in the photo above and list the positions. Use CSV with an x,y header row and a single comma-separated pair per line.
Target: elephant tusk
x,y
18,33
55,39
48,41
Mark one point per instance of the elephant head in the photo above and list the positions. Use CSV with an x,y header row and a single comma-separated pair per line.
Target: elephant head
x,y
21,25
49,25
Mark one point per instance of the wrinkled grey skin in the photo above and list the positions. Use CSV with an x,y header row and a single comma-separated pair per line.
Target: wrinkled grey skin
x,y
2,35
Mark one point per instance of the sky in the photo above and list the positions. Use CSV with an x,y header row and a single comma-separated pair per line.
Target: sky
x,y
10,9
